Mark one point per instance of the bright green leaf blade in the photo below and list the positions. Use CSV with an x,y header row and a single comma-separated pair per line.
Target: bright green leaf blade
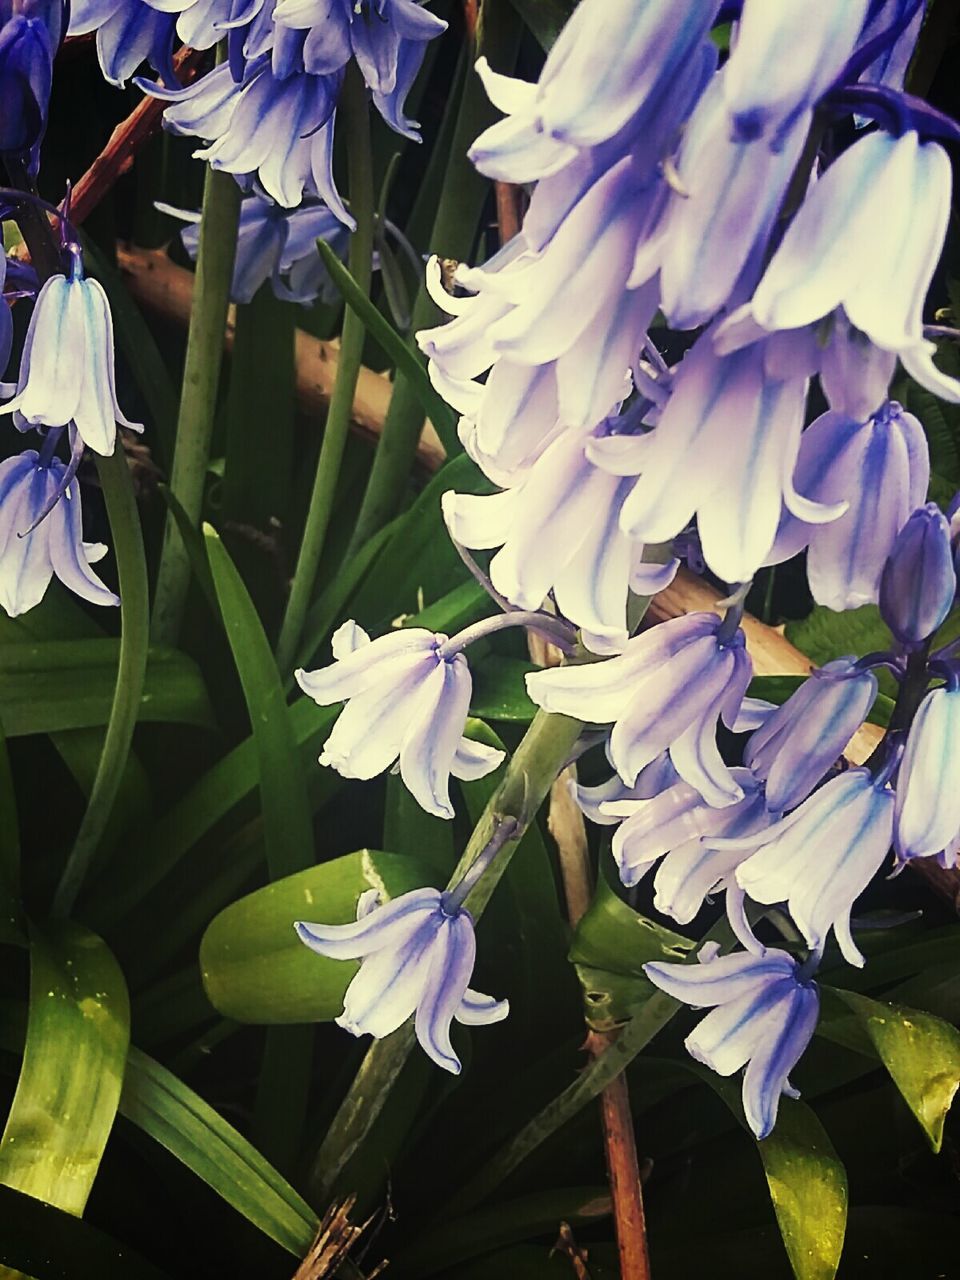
x,y
255,968
921,1052
403,356
287,820
53,685
172,1114
78,1031
807,1182
411,830
48,1244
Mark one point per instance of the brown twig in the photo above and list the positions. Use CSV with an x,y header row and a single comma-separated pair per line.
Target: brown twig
x,y
125,141
335,1237
509,209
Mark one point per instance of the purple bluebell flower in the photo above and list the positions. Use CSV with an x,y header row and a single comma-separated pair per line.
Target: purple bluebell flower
x,y
417,955
669,826
66,369
129,32
867,238
784,58
405,699
32,553
558,530
655,777
30,34
800,740
854,372
765,1010
889,67
881,469
819,859
928,782
740,416
664,692
919,582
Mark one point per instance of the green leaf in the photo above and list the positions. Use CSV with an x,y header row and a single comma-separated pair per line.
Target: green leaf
x,y
51,685
611,944
807,1182
409,829
545,18
172,1114
11,924
255,968
825,635
499,690
48,1244
78,1031
922,1054
402,355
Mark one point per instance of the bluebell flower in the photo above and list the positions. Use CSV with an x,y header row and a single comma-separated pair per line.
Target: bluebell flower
x,y
928,782
129,32
866,238
740,416
880,468
417,954
819,859
889,66
664,692
784,58
855,373
32,553
30,34
558,530
655,777
800,740
669,826
66,369
765,1011
276,244
919,582
404,699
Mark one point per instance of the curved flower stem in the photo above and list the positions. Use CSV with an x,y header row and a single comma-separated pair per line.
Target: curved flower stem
x,y
134,638
201,375
529,775
355,114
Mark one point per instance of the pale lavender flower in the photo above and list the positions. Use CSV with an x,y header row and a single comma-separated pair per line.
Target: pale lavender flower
x,y
651,780
919,582
854,372
928,783
31,553
893,56
765,1010
670,826
67,366
800,740
819,859
128,33
404,699
879,468
664,692
417,955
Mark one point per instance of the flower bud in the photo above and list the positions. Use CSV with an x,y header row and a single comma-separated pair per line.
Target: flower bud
x,y
919,581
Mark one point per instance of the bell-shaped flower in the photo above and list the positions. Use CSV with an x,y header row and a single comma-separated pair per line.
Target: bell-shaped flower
x,y
558,530
928,783
670,826
66,369
664,692
31,553
800,740
820,858
765,1011
655,777
919,583
405,699
417,954
738,418
784,58
26,71
880,468
868,238
893,51
855,373
129,32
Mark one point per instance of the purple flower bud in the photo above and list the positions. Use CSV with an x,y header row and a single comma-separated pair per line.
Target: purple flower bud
x,y
799,742
26,68
764,1013
919,582
417,954
928,784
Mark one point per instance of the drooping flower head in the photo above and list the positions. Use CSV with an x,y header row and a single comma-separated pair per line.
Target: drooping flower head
x,y
30,34
417,954
919,582
928,782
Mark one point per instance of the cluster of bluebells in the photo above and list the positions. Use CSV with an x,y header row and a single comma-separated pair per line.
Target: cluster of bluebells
x,y
786,205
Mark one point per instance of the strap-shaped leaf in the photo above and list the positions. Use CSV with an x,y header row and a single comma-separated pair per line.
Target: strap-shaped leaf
x,y
78,1030
921,1052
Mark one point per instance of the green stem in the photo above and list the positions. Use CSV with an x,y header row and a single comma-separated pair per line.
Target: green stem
x,y
458,209
355,116
201,375
134,638
541,755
